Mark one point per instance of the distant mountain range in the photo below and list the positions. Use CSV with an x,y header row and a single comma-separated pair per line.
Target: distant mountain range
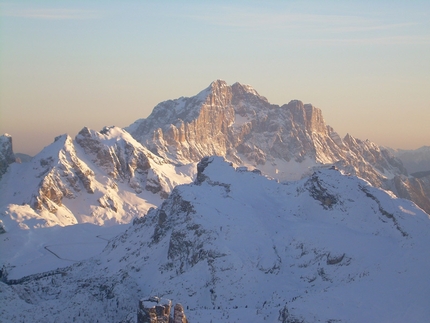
x,y
416,160
116,174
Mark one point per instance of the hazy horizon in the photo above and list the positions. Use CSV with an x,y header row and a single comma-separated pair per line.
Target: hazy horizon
x,y
66,65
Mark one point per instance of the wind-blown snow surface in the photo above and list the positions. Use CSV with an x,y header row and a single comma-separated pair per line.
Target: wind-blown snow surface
x,y
237,247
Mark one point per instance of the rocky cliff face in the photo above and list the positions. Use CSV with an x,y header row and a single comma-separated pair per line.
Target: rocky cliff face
x,y
414,189
100,177
236,122
154,310
284,142
62,175
187,129
7,156
123,160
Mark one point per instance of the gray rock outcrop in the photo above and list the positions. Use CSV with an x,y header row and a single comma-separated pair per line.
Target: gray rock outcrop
x,y
158,310
7,156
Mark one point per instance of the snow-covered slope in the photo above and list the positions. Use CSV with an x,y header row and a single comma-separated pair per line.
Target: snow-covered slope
x,y
102,177
238,247
285,142
35,251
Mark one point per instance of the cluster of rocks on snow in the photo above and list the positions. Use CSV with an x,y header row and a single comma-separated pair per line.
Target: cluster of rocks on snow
x,y
158,310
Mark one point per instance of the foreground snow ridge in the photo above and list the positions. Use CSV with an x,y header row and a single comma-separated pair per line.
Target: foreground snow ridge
x,y
235,246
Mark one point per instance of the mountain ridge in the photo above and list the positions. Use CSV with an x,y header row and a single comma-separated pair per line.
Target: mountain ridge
x,y
286,225
415,160
100,177
237,246
284,142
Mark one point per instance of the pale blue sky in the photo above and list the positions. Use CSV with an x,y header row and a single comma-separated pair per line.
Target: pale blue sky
x,y
69,64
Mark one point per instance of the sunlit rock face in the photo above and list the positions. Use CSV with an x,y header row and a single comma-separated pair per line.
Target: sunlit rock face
x,y
159,310
241,125
236,122
154,310
285,142
187,129
7,156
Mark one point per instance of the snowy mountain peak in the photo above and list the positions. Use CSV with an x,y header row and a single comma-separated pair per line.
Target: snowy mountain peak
x,y
284,142
236,122
221,87
218,85
245,88
104,177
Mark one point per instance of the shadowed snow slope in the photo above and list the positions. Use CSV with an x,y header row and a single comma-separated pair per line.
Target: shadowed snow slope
x,y
235,246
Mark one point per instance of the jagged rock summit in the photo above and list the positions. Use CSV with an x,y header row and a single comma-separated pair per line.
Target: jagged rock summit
x,y
104,177
236,122
235,246
284,142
